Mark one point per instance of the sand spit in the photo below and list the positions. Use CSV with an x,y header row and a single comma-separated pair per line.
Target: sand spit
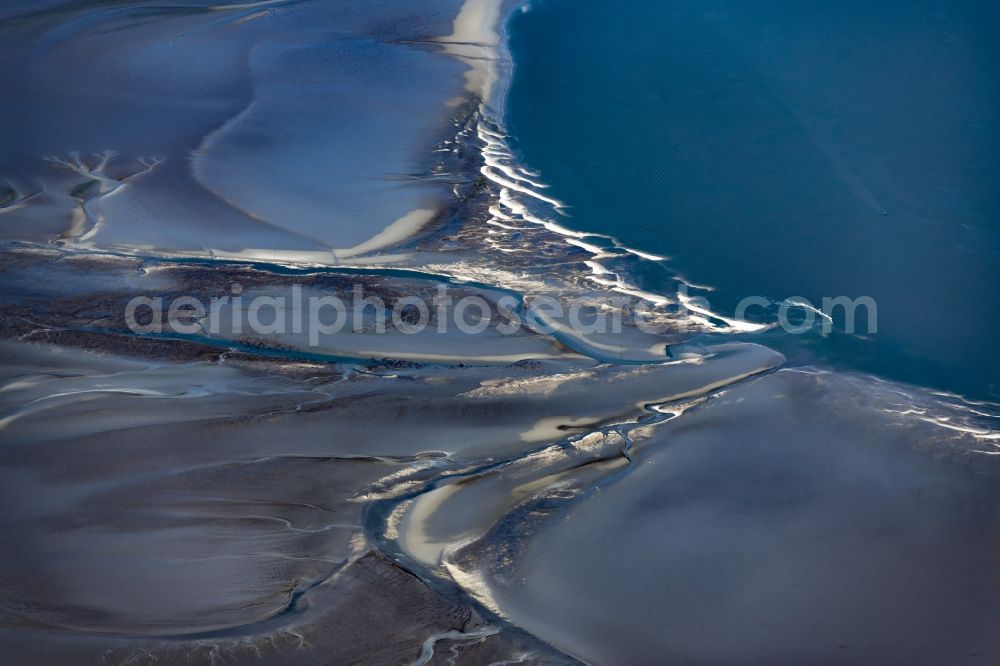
x,y
474,41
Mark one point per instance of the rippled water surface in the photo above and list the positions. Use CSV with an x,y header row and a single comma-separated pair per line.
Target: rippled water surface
x,y
808,149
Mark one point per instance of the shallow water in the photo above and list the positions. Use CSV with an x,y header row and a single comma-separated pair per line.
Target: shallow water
x,y
821,149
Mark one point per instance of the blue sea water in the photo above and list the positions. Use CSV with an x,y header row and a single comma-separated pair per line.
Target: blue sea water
x,y
814,149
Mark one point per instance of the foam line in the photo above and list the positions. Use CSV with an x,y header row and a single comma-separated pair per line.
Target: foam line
x,y
500,168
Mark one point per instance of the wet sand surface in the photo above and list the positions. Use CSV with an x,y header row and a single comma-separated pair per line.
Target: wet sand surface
x,y
787,521
254,115
163,511
241,505
544,496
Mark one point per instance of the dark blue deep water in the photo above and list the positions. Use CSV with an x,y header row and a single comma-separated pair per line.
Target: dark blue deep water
x,y
786,149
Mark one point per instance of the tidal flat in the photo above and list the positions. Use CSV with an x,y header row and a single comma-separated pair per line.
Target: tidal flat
x,y
254,485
